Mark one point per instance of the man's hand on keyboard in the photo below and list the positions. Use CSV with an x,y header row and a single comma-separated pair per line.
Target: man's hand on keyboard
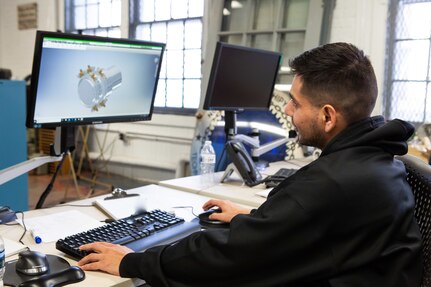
x,y
228,209
105,257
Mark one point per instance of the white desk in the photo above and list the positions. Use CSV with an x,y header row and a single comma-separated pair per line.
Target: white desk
x,y
233,188
156,197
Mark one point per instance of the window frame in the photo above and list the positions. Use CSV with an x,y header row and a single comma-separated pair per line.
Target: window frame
x,y
134,22
389,98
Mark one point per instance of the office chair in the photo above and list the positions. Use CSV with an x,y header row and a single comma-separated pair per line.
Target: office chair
x,y
419,178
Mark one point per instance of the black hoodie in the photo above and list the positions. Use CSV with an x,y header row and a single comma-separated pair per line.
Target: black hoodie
x,y
346,220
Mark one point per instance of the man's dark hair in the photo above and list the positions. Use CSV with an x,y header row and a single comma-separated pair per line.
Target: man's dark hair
x,y
338,74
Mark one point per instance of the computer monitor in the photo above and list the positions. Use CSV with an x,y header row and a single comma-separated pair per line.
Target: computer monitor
x,y
242,78
82,79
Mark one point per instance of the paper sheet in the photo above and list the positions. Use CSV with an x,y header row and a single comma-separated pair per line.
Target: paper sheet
x,y
52,227
12,247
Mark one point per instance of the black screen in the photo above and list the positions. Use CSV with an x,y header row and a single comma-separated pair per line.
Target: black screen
x,y
81,79
241,78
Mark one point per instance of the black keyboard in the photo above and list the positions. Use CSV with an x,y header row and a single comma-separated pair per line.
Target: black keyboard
x,y
138,232
279,176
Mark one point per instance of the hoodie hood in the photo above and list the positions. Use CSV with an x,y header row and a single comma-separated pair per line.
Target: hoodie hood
x,y
390,136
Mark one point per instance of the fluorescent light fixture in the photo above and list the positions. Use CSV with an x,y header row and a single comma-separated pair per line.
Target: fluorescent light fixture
x,y
226,12
285,69
236,4
260,126
283,87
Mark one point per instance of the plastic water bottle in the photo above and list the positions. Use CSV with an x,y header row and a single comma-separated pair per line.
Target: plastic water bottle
x,y
208,160
2,261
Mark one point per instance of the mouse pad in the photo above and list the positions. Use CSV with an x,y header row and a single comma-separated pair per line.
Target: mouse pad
x,y
13,278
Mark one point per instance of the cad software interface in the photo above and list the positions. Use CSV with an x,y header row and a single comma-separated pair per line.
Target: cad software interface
x,y
82,80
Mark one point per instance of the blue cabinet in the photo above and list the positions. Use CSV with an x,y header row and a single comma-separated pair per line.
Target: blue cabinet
x,y
13,142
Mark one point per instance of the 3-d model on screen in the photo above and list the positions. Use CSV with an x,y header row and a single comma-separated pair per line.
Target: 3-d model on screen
x,y
96,84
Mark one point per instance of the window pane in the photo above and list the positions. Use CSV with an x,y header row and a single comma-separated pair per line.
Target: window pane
x,y
175,64
297,14
234,15
143,32
163,67
160,94
192,93
174,93
162,10
193,34
92,1
158,32
196,8
412,60
232,39
179,9
414,21
79,17
105,14
116,13
79,2
92,16
146,13
101,32
114,32
409,101
291,44
265,15
183,36
192,63
175,35
261,41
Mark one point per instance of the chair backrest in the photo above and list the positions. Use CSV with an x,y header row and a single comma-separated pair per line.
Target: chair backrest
x,y
419,178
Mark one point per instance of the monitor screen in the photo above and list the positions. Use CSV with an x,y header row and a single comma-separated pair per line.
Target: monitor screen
x,y
81,79
241,78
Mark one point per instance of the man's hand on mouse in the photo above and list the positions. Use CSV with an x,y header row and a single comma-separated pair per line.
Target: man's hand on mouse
x,y
228,209
106,257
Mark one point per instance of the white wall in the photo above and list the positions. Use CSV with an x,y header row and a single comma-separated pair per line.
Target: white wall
x,y
16,46
155,149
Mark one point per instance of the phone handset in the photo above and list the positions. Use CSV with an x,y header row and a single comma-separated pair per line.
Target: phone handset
x,y
242,163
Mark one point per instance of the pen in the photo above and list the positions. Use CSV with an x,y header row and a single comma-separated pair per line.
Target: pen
x,y
36,237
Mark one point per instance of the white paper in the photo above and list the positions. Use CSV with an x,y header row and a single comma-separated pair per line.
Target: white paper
x,y
12,247
264,193
55,226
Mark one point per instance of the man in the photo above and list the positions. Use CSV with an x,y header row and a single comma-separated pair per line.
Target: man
x,y
345,219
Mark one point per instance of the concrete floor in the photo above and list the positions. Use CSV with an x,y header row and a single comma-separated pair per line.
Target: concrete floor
x,y
64,189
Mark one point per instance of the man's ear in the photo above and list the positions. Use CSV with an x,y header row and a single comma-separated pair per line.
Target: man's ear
x,y
329,115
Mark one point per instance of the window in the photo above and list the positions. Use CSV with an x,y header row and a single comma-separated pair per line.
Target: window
x,y
178,23
93,17
281,25
407,92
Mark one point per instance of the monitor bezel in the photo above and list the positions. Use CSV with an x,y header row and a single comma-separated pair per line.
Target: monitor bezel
x,y
220,46
32,97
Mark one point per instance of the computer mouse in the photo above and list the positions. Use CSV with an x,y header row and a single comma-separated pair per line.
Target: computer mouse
x,y
32,263
206,221
70,275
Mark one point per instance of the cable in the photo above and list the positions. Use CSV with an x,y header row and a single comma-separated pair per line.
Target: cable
x,y
25,227
51,184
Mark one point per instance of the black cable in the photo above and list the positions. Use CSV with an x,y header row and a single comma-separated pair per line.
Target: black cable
x,y
25,227
51,184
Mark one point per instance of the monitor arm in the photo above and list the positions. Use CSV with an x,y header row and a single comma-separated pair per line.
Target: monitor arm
x,y
256,149
23,167
63,143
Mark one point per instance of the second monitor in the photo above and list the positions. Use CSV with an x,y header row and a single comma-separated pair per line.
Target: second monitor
x,y
242,78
